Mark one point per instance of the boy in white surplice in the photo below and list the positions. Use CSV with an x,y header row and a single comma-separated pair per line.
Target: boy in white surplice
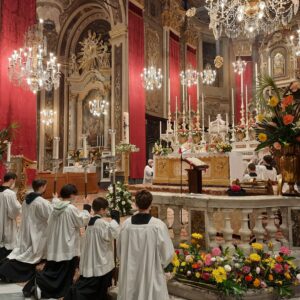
x,y
97,258
31,241
10,208
145,249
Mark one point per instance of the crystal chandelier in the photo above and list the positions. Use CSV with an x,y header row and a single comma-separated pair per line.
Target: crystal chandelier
x,y
27,67
297,45
249,17
98,107
152,78
47,116
239,66
189,77
208,75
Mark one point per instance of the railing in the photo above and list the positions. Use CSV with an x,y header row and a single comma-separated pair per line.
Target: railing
x,y
233,220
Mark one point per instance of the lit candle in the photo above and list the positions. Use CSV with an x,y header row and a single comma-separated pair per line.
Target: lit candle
x,y
232,106
8,151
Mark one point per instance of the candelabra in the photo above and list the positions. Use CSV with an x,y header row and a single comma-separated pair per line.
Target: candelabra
x,y
98,107
208,75
152,78
189,77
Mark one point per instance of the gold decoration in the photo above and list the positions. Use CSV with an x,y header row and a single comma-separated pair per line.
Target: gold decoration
x,y
219,60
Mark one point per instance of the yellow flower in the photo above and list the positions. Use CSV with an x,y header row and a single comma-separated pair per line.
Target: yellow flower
x,y
197,275
175,261
260,117
219,274
279,282
270,245
254,257
257,246
287,275
184,246
197,236
207,269
256,282
262,137
183,263
291,264
273,101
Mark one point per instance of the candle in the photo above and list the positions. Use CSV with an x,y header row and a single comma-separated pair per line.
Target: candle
x,y
8,151
169,95
56,148
269,66
190,113
203,111
209,123
183,98
160,130
242,99
176,112
232,106
84,146
198,89
246,105
113,143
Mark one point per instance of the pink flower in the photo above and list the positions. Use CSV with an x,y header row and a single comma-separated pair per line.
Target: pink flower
x,y
208,260
286,267
278,268
277,146
216,251
246,269
285,250
263,284
206,276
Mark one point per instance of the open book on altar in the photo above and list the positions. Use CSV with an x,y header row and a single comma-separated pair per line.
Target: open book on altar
x,y
196,162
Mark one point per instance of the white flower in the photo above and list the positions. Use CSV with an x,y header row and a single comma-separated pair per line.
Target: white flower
x,y
298,277
220,258
213,259
123,202
110,189
237,265
188,273
257,270
227,268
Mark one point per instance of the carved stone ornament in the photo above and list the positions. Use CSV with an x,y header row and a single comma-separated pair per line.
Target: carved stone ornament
x,y
153,47
174,16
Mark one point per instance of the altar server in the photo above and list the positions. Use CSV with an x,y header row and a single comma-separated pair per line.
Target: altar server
x,y
10,208
252,174
144,249
266,170
97,258
63,247
148,172
31,241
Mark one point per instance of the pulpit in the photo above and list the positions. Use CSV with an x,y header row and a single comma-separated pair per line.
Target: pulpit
x,y
195,174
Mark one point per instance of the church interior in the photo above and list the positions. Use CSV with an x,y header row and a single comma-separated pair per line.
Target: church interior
x,y
195,102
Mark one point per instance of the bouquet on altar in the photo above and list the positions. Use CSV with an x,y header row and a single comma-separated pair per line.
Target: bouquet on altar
x,y
280,124
123,201
158,149
233,273
6,135
127,148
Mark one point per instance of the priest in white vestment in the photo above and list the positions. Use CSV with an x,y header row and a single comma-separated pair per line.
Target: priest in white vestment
x,y
148,172
31,240
97,257
63,247
145,249
10,209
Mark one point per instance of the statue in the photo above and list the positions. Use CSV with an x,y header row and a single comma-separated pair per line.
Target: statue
x,y
218,130
73,66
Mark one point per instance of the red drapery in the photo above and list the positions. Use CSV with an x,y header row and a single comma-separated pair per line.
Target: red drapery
x,y
137,111
248,81
192,63
16,104
174,61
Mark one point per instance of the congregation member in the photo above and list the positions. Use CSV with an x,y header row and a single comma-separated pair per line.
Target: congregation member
x,y
145,249
30,249
251,173
10,209
97,257
63,247
267,170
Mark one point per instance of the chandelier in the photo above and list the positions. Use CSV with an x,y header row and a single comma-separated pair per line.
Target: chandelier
x,y
249,17
239,66
208,75
189,77
47,116
28,66
98,107
152,78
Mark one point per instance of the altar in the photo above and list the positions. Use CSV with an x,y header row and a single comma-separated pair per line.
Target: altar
x,y
222,168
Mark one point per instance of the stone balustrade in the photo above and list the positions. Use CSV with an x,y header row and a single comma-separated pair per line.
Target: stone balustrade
x,y
226,221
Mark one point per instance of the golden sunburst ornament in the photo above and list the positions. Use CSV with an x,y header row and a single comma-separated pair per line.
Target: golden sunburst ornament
x,y
219,60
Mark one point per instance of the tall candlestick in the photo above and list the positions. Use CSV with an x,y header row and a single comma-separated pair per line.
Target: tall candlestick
x,y
8,156
232,106
242,99
113,142
202,112
176,110
190,114
160,131
56,147
84,146
227,123
198,89
183,98
246,105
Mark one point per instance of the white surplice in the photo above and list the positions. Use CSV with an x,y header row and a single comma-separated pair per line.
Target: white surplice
x,y
32,238
97,257
63,234
144,252
266,174
148,175
10,208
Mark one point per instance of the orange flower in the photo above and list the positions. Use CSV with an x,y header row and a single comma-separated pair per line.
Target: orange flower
x,y
271,278
288,100
277,146
195,266
256,282
288,119
279,259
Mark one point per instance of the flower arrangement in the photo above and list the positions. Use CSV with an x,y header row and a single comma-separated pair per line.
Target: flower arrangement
x,y
236,190
223,147
127,148
280,124
235,273
6,135
158,149
123,199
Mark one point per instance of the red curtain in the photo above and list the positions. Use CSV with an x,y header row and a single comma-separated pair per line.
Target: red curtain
x,y
137,111
192,63
174,61
16,104
248,81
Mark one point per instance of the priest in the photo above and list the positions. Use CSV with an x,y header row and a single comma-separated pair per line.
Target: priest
x,y
30,248
97,258
144,249
63,247
10,208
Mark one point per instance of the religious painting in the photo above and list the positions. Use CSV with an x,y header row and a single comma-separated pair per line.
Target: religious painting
x,y
279,63
294,228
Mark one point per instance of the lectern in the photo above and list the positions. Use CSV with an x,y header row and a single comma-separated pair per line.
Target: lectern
x,y
195,174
